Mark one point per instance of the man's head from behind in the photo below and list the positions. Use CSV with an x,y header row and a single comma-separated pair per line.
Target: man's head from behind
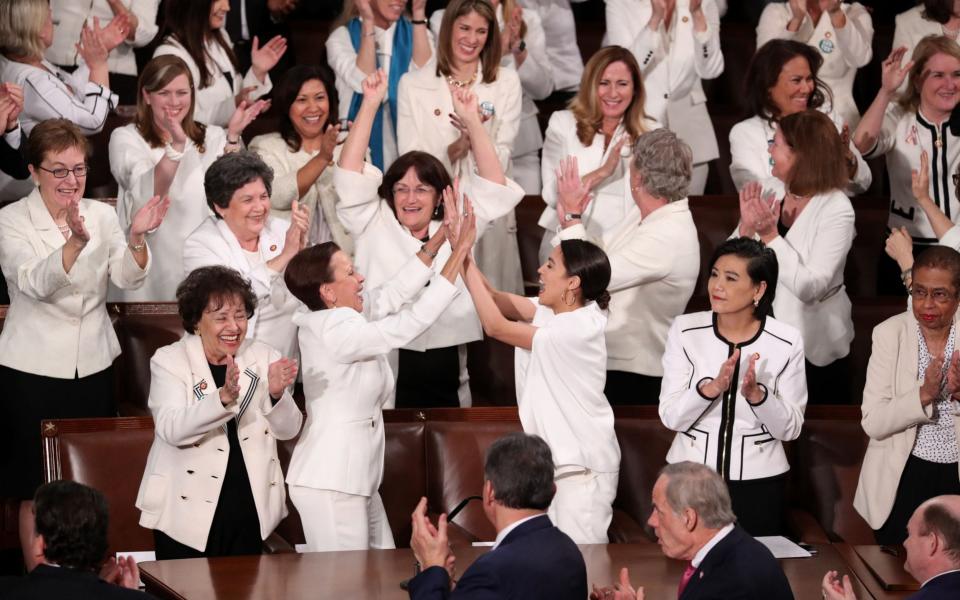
x,y
933,538
71,525
690,503
518,475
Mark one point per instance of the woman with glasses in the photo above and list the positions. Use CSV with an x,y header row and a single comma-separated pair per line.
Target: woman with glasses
x,y
57,252
913,382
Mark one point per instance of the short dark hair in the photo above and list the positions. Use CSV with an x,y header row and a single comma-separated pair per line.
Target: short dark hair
x,y
764,71
429,170
938,10
762,265
54,135
216,284
938,519
231,172
520,468
72,518
287,92
820,164
587,261
940,257
307,271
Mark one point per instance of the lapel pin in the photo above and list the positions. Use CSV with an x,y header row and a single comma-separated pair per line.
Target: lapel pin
x,y
436,112
273,247
203,385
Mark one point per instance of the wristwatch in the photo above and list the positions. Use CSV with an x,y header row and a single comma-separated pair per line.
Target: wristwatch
x,y
426,251
520,47
571,217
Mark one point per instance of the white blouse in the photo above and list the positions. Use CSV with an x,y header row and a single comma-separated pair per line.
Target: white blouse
x,y
937,441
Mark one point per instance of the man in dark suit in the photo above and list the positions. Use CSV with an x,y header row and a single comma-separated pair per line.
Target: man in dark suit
x,y
70,543
531,558
263,19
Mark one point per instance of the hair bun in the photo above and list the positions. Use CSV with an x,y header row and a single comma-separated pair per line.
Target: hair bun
x,y
603,300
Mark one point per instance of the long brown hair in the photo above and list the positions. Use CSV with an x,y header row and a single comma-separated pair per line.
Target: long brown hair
x,y
585,106
819,164
188,22
157,74
489,56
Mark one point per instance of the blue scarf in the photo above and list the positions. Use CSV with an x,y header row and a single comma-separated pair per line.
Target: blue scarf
x,y
399,63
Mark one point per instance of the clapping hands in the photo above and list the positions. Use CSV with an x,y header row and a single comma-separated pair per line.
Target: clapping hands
x,y
759,213
11,104
280,375
573,194
231,386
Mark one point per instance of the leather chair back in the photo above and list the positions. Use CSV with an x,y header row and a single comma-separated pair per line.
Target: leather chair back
x,y
142,328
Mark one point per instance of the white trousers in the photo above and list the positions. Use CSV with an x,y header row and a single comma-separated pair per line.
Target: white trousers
x,y
698,179
583,506
337,521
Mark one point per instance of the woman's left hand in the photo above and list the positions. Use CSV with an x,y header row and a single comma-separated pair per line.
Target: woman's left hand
x,y
245,114
150,216
899,247
266,57
573,194
953,375
281,374
465,106
748,385
328,141
759,214
91,47
451,212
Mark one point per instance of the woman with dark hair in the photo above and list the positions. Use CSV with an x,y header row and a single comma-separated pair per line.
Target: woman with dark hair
x,y
393,215
561,367
303,150
929,17
734,387
811,229
194,31
213,485
345,336
782,80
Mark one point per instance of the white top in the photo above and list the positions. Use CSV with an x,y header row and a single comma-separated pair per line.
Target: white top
x,y
843,50
503,533
57,324
347,379
52,93
937,441
132,162
216,103
561,39
702,553
560,388
69,17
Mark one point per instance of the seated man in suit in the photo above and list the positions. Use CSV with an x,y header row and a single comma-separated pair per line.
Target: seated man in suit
x,y
531,558
933,553
694,522
70,542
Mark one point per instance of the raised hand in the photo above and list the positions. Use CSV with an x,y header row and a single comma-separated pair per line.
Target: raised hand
x,y
281,375
328,142
798,8
173,128
830,6
364,9
9,111
78,230
622,590
892,74
375,87
150,216
953,375
749,194
231,385
244,95
91,47
245,114
263,58
749,387
721,383
466,106
899,247
759,214
451,212
113,34
573,194
468,227
429,544
920,179
932,382
614,156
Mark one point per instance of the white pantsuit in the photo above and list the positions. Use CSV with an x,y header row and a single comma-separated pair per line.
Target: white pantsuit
x,y
560,29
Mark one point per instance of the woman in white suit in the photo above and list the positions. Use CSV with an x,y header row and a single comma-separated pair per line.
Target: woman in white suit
x,y
811,229
930,17
841,32
242,235
390,217
213,484
677,44
345,336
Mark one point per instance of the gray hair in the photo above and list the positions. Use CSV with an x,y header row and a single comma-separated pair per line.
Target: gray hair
x,y
520,467
231,172
698,487
665,162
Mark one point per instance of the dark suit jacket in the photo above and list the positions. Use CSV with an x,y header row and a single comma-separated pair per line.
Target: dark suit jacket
x,y
941,587
47,582
536,560
11,160
738,567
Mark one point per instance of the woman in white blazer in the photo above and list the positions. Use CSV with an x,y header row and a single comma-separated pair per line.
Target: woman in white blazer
x,y
193,30
165,152
390,217
676,50
242,235
841,32
371,35
733,384
57,251
303,150
602,122
345,336
783,79
909,402
929,17
811,229
213,485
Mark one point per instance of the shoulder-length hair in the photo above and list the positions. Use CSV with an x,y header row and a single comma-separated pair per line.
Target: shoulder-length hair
x,y
926,49
938,10
762,265
491,52
20,25
764,71
157,74
188,22
287,92
429,170
585,106
820,165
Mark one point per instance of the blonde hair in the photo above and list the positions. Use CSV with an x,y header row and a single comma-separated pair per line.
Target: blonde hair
x,y
928,47
489,55
20,25
157,74
585,106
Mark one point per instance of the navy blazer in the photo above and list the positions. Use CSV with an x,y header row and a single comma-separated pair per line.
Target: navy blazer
x,y
941,587
536,560
738,568
46,581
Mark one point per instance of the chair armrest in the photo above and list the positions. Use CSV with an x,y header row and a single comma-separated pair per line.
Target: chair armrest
x,y
805,527
274,544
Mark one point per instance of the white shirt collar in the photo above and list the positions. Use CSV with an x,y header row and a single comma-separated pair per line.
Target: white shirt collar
x,y
699,556
506,530
924,584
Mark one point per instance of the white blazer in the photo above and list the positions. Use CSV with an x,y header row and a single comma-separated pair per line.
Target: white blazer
x,y
347,379
560,31
648,287
216,103
188,459
673,64
748,445
132,162
212,243
57,324
843,50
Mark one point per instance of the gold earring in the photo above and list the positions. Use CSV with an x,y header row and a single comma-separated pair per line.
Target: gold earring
x,y
563,297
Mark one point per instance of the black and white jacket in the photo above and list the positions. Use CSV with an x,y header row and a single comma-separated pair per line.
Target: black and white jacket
x,y
726,433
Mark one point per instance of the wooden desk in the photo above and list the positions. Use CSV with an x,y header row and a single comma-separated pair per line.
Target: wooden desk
x,y
377,574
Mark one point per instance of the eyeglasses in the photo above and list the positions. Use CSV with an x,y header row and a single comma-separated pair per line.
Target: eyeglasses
x,y
420,191
78,171
939,296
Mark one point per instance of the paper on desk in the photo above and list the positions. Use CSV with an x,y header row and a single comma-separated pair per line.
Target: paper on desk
x,y
781,547
482,544
140,557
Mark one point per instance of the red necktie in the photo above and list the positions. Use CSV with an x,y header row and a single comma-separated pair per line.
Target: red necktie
x,y
687,574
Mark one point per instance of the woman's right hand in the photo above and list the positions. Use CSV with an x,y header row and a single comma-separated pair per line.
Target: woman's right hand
x,y
364,9
721,383
231,385
892,74
375,88
173,128
573,194
932,382
328,142
612,161
91,47
750,194
899,247
296,238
